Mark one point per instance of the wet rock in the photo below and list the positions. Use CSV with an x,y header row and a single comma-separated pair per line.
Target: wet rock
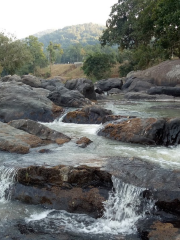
x,y
114,91
74,189
172,91
89,114
83,142
44,150
68,98
161,184
161,231
150,131
15,140
108,84
19,101
39,130
139,96
83,85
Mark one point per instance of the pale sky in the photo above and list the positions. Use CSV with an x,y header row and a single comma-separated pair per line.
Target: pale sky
x,y
27,17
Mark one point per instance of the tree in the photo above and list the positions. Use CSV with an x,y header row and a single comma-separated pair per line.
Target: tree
x,y
13,53
98,65
52,49
150,29
38,57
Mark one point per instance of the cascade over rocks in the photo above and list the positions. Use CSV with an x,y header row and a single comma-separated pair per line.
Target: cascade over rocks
x,y
89,114
161,184
150,131
74,189
39,130
108,84
68,98
19,101
83,85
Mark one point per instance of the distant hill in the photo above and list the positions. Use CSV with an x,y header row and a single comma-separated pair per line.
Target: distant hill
x,y
42,33
86,34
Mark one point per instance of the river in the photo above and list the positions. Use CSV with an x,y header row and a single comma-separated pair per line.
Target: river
x,y
120,214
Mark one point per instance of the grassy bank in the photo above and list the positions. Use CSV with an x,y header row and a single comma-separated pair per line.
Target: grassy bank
x,y
68,71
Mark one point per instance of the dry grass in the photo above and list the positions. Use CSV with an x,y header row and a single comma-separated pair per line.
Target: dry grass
x,y
69,71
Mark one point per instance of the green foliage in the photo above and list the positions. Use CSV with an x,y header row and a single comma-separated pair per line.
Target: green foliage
x,y
13,53
85,34
150,29
98,65
52,49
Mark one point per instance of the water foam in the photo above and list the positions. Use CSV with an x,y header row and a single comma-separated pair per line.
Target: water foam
x,y
123,209
7,175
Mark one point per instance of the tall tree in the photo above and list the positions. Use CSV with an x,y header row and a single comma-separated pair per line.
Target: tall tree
x,y
52,49
38,57
13,53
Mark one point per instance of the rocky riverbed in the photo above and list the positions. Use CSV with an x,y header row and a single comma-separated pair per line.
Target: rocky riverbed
x,y
75,167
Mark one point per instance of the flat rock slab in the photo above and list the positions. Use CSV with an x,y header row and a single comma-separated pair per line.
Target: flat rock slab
x,y
14,140
39,130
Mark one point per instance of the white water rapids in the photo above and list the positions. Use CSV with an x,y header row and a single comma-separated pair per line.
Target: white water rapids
x,y
124,206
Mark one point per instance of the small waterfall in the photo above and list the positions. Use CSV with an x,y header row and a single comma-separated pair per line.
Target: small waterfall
x,y
125,206
7,175
122,210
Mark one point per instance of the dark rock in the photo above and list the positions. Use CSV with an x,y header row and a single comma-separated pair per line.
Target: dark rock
x,y
83,85
44,150
19,101
15,140
139,96
80,190
68,98
162,185
90,114
150,131
114,91
134,84
83,142
108,84
39,130
172,91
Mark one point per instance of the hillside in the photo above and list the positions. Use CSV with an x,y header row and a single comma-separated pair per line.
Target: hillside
x,y
85,34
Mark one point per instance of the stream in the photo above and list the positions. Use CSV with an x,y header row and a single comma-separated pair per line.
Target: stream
x,y
123,208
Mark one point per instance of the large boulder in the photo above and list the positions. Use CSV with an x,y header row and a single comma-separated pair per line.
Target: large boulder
x,y
83,85
157,183
87,115
15,140
68,98
39,130
74,189
108,84
172,91
31,81
18,101
10,78
150,131
134,84
166,73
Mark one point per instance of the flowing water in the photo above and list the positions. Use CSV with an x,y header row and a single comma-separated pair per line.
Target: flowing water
x,y
124,206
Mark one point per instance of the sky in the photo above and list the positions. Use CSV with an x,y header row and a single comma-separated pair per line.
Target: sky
x,y
24,17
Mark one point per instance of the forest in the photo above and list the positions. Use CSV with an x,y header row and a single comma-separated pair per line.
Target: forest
x,y
138,34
